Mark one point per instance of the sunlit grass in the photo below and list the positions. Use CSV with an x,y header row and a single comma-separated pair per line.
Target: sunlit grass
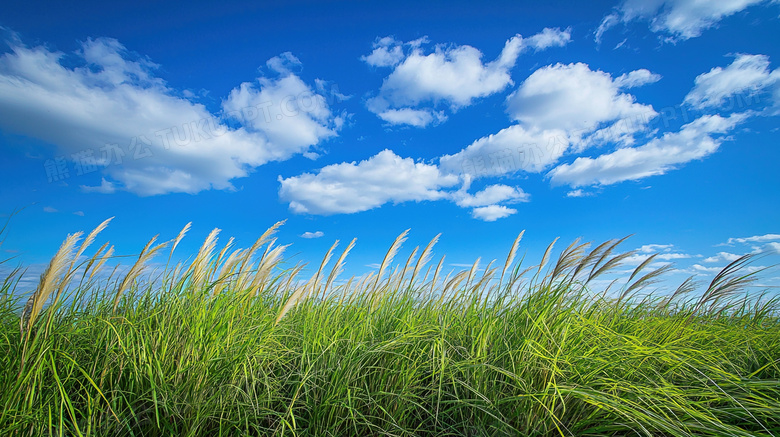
x,y
236,343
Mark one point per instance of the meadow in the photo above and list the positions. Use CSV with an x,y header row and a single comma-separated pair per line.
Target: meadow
x,y
237,342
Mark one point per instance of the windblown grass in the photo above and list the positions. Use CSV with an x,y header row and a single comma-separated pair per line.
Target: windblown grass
x,y
236,343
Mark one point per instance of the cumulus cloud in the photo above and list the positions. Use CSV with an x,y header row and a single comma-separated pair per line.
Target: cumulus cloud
x,y
108,112
549,37
449,76
676,19
49,209
746,76
387,53
348,188
284,112
511,149
316,234
492,213
588,104
491,195
694,141
354,187
485,204
557,107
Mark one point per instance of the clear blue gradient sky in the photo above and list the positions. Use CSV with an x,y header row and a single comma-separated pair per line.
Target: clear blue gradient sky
x,y
354,119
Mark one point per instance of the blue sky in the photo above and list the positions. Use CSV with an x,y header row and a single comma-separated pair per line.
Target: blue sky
x,y
349,119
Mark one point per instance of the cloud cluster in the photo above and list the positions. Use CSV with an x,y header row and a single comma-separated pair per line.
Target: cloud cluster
x,y
486,204
662,252
107,106
360,186
347,188
449,77
559,109
110,111
590,105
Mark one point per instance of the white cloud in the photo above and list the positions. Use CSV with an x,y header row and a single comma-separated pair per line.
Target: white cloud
x,y
636,78
114,115
581,101
451,76
49,209
721,256
753,239
79,213
285,111
662,252
748,74
354,187
316,234
640,258
511,149
490,195
412,117
348,188
387,52
485,203
492,213
678,19
607,23
771,248
694,141
455,75
579,193
105,187
672,256
284,63
701,269
653,248
550,37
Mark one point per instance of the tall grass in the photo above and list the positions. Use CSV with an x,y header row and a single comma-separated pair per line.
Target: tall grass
x,y
238,343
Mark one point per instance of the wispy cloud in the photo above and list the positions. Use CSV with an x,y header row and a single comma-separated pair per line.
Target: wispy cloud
x,y
748,75
695,140
752,239
677,20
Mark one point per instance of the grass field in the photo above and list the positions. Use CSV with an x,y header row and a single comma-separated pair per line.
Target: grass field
x,y
236,342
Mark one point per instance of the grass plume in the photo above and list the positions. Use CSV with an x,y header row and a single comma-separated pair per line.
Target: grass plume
x,y
237,343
